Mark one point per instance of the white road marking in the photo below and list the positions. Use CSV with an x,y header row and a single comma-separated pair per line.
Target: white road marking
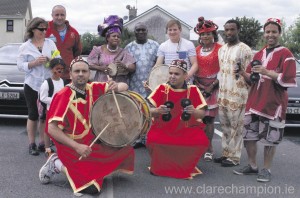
x,y
219,133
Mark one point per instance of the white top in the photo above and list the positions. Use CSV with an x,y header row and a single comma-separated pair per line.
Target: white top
x,y
35,76
182,50
58,85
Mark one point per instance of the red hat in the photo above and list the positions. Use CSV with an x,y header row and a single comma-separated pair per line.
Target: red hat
x,y
275,20
181,64
205,26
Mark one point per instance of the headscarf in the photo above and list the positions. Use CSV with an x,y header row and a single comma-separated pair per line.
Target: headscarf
x,y
205,26
111,24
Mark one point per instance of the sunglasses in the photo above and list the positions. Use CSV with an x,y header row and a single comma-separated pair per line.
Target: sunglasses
x,y
41,29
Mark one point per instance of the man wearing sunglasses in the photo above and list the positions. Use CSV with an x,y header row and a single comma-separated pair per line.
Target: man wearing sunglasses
x,y
65,37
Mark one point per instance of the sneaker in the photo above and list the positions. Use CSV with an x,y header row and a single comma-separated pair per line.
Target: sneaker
x,y
219,159
228,163
264,175
48,170
208,156
33,150
246,170
41,147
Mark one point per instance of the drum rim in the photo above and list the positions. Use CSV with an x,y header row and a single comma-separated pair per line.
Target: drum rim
x,y
145,129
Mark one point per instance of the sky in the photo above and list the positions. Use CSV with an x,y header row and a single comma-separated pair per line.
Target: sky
x,y
86,15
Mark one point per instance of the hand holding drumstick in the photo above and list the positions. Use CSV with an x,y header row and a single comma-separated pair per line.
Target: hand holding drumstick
x,y
96,138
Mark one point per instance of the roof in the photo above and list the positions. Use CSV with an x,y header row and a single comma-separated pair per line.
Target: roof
x,y
14,8
162,10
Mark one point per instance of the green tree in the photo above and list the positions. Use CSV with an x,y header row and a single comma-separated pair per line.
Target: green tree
x,y
250,32
89,40
291,38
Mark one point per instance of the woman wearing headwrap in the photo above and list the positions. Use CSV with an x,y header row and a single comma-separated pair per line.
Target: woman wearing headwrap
x,y
102,56
206,77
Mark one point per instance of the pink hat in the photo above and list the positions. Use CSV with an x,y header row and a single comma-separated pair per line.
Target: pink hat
x,y
205,26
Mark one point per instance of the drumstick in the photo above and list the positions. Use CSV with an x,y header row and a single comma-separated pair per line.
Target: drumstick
x,y
96,138
146,85
116,101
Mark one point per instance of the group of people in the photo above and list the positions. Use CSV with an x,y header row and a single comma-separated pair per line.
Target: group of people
x,y
249,94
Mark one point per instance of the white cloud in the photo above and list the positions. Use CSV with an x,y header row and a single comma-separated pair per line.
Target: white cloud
x,y
85,15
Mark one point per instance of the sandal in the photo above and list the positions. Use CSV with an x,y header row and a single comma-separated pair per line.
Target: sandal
x,y
208,157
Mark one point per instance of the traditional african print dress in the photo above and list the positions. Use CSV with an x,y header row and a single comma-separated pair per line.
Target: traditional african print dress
x,y
145,56
102,59
232,98
176,146
72,114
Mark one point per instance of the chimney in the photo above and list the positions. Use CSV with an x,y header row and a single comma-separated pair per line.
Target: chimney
x,y
132,12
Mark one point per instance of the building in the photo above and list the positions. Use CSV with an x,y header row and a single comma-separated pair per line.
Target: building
x,y
14,16
156,20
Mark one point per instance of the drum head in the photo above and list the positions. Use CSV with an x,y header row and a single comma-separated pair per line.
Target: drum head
x,y
112,69
158,75
121,131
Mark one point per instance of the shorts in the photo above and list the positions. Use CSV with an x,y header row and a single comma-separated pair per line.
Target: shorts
x,y
268,132
31,97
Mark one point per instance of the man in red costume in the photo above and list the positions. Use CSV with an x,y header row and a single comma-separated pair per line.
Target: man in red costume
x,y
65,37
70,128
176,140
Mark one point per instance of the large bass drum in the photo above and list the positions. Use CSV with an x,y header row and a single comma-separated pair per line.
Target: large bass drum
x,y
158,75
123,131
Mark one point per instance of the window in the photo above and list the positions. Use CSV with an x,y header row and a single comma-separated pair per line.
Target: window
x,y
9,25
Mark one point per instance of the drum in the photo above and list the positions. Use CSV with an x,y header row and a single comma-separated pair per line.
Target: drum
x,y
114,70
158,75
122,131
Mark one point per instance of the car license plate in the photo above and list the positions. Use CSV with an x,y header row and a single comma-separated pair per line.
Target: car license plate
x,y
293,110
9,95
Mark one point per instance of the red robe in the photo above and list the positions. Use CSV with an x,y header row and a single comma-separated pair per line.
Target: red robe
x,y
103,160
176,146
269,98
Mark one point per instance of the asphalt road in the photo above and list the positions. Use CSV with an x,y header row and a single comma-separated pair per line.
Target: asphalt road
x,y
19,174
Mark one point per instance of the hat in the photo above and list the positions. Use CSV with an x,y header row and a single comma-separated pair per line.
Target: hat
x,y
205,26
111,24
181,64
274,20
78,59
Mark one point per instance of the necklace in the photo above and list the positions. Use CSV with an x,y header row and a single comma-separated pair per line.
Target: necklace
x,y
178,46
82,92
111,50
207,49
